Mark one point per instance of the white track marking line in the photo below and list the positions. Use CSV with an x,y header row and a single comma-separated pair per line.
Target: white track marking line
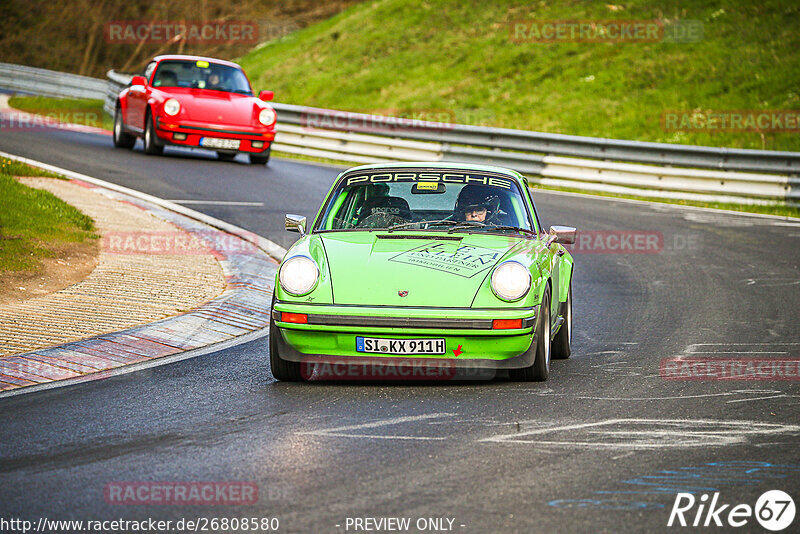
x,y
747,348
673,433
218,202
377,436
739,352
745,344
342,431
759,398
771,395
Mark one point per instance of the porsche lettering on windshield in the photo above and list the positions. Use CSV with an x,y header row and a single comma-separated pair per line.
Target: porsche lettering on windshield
x,y
432,201
444,177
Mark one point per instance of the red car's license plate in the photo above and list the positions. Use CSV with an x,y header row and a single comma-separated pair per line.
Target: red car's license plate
x,y
215,142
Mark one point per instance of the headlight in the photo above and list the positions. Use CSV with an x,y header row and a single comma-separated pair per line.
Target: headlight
x,y
298,275
511,281
267,117
172,107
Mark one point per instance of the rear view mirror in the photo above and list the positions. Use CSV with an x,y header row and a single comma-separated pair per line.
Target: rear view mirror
x,y
295,223
266,96
138,80
563,234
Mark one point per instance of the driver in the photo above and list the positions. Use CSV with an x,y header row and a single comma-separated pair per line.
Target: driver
x,y
479,204
214,81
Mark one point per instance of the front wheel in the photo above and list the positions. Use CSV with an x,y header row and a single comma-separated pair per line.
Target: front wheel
x,y
539,370
282,370
151,145
562,343
122,139
260,159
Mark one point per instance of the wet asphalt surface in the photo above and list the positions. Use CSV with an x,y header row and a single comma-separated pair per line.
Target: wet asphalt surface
x,y
604,446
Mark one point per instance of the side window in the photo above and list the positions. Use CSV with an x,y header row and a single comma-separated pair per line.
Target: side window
x,y
148,71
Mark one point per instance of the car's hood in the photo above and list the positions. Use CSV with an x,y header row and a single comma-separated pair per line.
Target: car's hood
x,y
374,268
217,107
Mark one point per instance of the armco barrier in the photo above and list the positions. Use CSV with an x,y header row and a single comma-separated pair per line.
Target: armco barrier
x,y
50,83
594,164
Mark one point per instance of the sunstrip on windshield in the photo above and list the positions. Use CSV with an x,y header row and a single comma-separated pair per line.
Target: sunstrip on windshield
x,y
444,177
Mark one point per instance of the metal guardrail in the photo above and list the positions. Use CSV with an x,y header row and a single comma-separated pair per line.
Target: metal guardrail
x,y
729,159
50,83
594,164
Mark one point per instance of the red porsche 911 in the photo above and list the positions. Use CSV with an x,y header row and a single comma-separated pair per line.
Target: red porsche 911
x,y
195,102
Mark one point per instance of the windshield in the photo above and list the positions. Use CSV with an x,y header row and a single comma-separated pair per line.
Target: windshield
x,y
201,75
426,201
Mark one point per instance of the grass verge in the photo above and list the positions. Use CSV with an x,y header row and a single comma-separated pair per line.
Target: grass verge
x,y
460,59
35,224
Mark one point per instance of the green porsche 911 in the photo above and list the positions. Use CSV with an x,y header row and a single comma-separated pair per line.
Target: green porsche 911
x,y
413,265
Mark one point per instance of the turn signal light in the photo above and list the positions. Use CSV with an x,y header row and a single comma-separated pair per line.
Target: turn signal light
x,y
289,317
506,324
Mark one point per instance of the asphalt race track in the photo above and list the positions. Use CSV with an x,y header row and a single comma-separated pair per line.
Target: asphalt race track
x,y
604,446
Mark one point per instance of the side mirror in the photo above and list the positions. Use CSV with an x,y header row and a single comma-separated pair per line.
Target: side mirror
x,y
139,80
563,234
295,223
266,96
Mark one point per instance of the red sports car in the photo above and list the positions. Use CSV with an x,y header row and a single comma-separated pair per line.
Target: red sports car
x,y
195,102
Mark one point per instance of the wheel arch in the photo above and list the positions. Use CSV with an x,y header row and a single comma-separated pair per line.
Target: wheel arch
x,y
565,270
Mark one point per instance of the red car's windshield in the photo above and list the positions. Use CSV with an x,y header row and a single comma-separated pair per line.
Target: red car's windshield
x,y
201,75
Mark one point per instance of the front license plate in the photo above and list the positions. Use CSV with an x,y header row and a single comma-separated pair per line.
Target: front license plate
x,y
216,142
400,346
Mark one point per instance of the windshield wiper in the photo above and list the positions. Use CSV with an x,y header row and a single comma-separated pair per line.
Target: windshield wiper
x,y
465,224
516,228
436,221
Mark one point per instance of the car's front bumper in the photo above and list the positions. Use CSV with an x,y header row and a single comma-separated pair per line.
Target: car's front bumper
x,y
470,340
183,133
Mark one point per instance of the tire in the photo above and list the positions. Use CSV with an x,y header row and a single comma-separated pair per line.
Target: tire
x,y
151,145
282,370
260,159
122,139
226,156
539,370
562,343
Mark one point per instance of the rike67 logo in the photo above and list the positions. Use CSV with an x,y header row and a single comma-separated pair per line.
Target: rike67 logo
x,y
774,510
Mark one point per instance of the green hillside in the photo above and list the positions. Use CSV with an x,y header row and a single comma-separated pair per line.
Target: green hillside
x,y
457,58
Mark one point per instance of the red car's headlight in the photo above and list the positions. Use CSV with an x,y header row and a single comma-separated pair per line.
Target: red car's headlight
x,y
267,117
172,107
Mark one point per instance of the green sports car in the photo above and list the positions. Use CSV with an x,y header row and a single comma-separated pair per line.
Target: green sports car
x,y
410,267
